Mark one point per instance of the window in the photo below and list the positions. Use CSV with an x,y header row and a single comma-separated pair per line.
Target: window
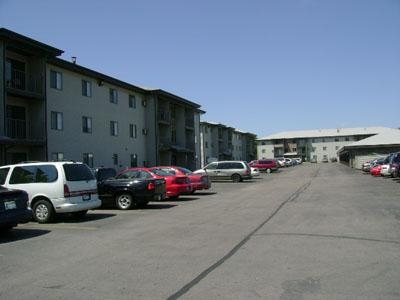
x,y
206,144
57,156
86,124
263,151
3,175
115,159
132,131
134,160
77,172
114,128
347,139
56,120
56,80
132,101
336,139
88,159
324,148
33,174
86,88
113,96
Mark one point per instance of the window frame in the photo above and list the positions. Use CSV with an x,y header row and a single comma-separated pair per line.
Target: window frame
x,y
56,120
56,80
87,124
132,101
113,96
88,159
86,88
114,128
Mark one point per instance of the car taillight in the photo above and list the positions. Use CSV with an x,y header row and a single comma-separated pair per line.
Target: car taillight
x,y
151,186
67,193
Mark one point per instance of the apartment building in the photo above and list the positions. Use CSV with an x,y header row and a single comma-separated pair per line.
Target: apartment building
x,y
244,145
52,109
312,145
222,142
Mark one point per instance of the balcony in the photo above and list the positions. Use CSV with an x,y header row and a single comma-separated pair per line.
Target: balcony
x,y
189,123
164,117
20,81
23,130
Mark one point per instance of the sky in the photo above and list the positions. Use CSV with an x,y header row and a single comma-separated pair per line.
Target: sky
x,y
260,66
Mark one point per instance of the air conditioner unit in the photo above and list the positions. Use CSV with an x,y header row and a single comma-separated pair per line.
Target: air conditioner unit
x,y
144,131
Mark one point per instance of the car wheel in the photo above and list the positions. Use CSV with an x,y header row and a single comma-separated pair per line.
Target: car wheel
x,y
236,178
124,201
79,214
43,211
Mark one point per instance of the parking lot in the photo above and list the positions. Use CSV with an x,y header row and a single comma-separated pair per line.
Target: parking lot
x,y
314,231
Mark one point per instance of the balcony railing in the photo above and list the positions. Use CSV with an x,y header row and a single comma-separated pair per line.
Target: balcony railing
x,y
164,116
25,82
22,130
189,121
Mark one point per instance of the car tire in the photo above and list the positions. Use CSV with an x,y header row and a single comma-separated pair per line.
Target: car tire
x,y
43,211
124,201
236,178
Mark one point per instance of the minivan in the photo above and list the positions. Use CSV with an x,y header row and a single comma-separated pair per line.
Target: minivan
x,y
392,161
235,170
53,187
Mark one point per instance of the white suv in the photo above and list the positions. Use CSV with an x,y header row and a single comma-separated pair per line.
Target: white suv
x,y
53,187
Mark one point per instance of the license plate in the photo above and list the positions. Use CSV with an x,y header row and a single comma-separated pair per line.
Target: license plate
x,y
86,197
10,205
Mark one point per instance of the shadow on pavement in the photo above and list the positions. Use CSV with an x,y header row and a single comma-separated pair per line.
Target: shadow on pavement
x,y
17,234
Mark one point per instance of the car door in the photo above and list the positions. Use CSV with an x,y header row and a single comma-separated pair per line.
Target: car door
x,y
224,170
212,170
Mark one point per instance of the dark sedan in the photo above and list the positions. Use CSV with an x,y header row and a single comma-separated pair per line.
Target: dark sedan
x,y
13,208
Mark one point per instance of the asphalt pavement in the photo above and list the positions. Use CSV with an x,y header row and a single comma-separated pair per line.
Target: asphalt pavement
x,y
314,231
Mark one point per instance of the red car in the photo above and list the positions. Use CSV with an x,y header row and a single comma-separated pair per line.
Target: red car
x,y
177,184
376,171
267,165
198,181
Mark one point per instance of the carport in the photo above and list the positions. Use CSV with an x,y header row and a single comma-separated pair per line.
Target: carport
x,y
355,154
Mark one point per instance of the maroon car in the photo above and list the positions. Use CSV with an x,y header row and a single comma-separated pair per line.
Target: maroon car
x,y
267,165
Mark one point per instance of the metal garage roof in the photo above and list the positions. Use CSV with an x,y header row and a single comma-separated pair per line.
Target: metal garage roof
x,y
326,133
389,137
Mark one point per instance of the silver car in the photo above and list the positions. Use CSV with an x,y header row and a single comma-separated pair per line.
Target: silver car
x,y
235,170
